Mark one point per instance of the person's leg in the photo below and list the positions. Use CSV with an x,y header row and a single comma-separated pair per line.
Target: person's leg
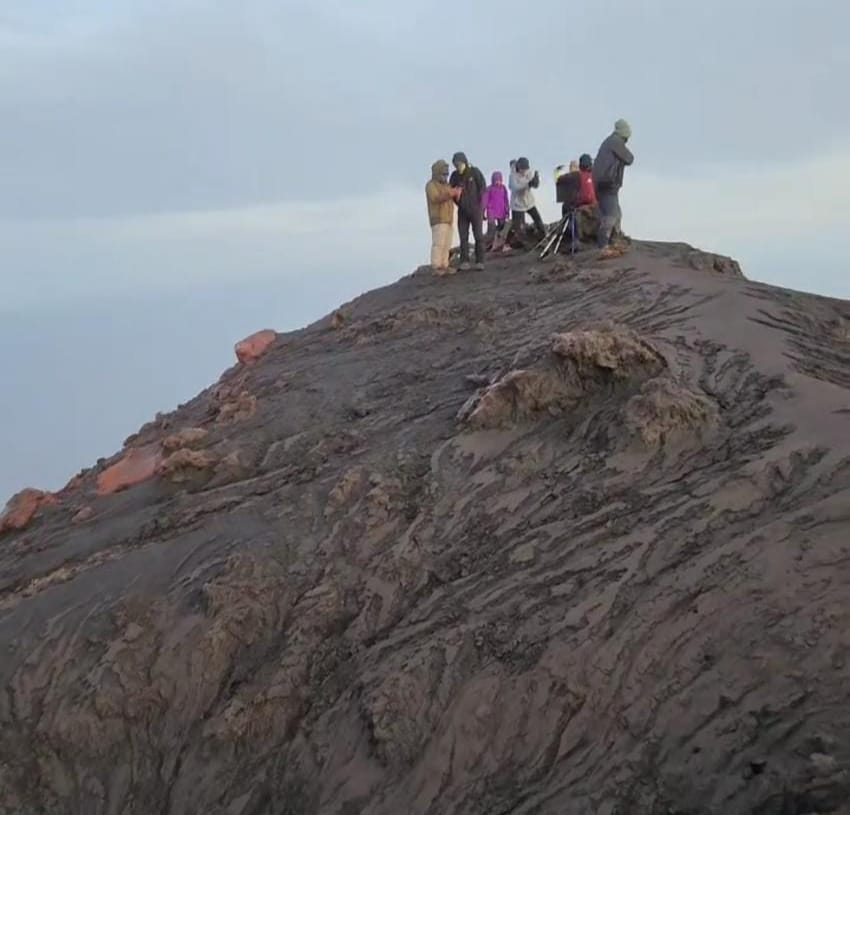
x,y
534,212
463,234
446,244
478,234
506,231
501,234
608,209
436,246
617,232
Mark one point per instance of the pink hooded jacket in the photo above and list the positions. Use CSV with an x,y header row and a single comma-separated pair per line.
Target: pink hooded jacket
x,y
495,202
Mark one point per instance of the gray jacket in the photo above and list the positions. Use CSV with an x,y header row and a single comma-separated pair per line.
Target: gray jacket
x,y
612,159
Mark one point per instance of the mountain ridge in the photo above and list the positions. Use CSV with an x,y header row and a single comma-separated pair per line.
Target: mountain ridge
x,y
555,537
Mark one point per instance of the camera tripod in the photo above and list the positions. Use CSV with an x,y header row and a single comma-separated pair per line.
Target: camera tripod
x,y
551,242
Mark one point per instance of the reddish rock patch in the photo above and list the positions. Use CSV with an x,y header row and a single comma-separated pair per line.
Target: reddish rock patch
x,y
22,507
136,466
73,483
252,348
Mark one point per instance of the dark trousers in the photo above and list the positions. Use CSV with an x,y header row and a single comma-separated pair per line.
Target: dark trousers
x,y
518,219
610,215
464,221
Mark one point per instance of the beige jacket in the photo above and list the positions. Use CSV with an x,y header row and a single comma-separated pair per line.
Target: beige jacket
x,y
441,207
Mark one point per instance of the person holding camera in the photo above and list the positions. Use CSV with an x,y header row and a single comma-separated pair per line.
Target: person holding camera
x,y
522,183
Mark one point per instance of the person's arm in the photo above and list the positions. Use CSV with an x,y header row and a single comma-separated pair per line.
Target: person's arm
x,y
444,193
440,193
519,184
622,152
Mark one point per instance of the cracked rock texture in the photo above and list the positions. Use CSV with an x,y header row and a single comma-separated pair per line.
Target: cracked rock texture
x,y
556,537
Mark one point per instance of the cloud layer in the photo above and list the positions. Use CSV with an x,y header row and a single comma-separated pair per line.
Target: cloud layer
x,y
178,172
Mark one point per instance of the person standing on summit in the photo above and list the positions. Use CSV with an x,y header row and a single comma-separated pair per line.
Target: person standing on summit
x,y
441,213
496,205
608,168
470,181
523,182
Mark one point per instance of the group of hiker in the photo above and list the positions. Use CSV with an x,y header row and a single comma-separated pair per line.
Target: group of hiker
x,y
588,191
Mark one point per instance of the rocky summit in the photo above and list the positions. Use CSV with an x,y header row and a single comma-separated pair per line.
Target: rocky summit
x,y
559,537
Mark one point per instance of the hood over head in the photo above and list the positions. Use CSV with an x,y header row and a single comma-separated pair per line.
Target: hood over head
x,y
438,169
496,178
460,158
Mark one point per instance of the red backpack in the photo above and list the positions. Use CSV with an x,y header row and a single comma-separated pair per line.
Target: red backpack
x,y
587,192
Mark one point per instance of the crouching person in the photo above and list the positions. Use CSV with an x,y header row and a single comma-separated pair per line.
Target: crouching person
x,y
577,196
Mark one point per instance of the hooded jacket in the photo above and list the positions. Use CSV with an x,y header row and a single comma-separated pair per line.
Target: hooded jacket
x,y
611,161
473,184
495,202
441,208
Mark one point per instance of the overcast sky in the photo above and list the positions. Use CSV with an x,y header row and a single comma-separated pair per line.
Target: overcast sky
x,y
177,173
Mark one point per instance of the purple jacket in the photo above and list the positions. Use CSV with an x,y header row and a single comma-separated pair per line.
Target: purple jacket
x,y
495,202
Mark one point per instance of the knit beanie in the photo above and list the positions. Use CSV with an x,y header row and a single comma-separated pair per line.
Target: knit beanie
x,y
623,129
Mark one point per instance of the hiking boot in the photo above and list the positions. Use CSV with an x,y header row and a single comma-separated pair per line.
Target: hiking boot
x,y
464,266
612,251
479,266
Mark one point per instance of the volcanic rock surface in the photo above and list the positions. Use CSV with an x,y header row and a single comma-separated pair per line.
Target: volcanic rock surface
x,y
570,536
